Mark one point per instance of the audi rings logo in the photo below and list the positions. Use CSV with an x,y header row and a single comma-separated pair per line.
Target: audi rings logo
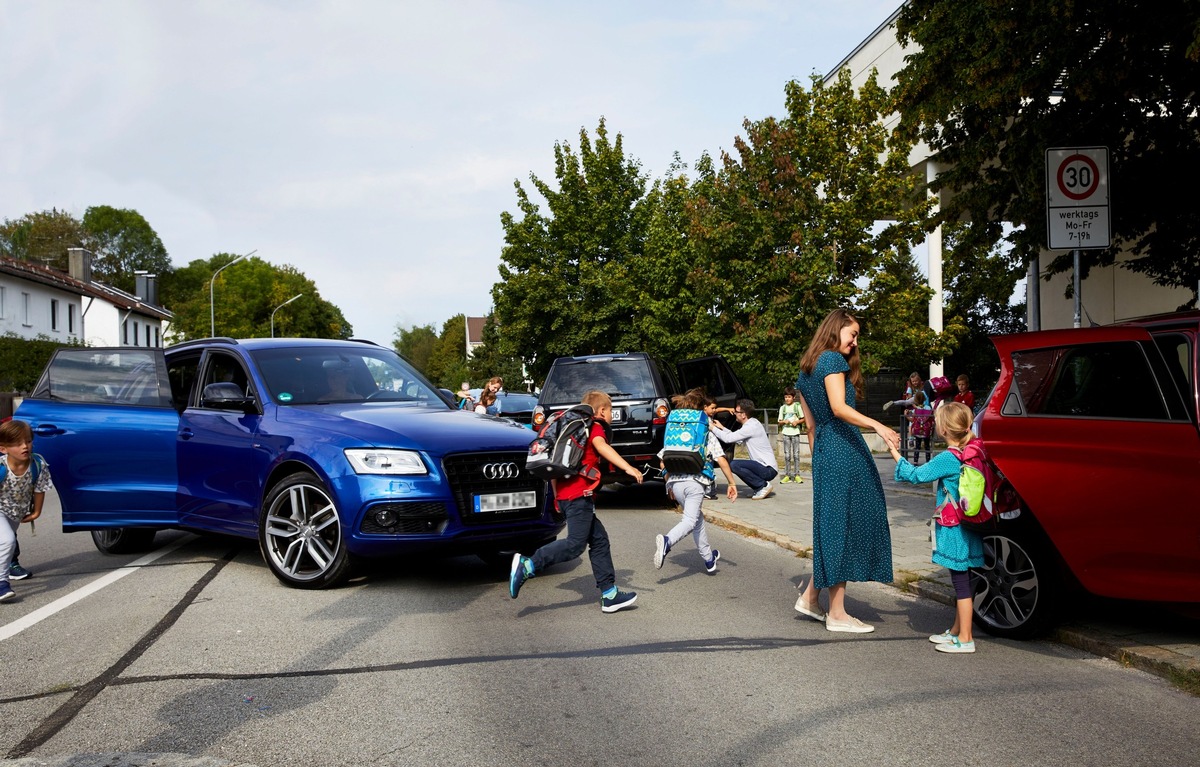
x,y
500,471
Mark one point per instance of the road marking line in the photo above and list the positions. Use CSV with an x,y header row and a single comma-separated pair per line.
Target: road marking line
x,y
62,603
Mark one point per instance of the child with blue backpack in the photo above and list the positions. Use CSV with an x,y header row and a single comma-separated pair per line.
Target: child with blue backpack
x,y
956,547
24,480
689,489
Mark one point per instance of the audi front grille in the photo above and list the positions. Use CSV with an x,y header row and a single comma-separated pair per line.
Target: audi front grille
x,y
473,474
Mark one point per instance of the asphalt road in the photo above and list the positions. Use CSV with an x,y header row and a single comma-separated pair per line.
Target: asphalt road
x,y
201,652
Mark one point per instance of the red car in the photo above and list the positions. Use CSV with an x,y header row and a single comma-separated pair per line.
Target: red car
x,y
1096,429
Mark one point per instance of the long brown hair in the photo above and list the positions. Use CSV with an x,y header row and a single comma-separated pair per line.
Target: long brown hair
x,y
828,338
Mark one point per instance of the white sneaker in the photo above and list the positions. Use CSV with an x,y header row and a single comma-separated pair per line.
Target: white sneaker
x,y
886,405
762,493
661,547
955,646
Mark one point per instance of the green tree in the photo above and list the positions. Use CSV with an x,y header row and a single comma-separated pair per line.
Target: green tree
x,y
42,237
123,243
990,85
787,230
979,289
488,360
448,360
416,344
565,287
243,298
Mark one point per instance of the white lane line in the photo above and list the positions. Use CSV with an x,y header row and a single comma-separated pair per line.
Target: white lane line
x,y
62,603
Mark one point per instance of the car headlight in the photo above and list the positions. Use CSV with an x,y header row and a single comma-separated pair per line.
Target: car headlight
x,y
368,461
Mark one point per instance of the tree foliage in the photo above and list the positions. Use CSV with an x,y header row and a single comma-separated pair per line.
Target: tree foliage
x,y
447,365
123,243
488,360
243,297
994,84
564,274
416,344
42,237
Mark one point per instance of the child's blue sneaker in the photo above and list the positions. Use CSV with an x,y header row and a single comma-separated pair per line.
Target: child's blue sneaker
x,y
711,564
518,575
18,573
6,591
661,546
943,638
619,601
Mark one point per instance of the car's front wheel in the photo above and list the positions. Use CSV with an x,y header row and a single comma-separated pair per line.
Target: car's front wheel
x,y
300,534
123,540
1016,590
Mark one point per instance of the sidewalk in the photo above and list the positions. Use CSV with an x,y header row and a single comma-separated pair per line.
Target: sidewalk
x,y
1146,636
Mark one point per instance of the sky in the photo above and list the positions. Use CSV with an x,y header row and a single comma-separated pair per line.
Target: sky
x,y
373,144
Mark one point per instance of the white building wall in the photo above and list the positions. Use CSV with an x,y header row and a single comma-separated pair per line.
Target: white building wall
x,y
26,310
104,326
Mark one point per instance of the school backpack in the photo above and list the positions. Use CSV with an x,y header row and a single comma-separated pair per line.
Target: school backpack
x,y
557,451
982,491
943,390
922,422
685,443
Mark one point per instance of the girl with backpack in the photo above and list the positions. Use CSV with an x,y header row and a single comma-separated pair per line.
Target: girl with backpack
x,y
955,547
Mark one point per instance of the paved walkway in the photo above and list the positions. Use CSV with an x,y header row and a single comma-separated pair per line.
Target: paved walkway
x,y
1163,640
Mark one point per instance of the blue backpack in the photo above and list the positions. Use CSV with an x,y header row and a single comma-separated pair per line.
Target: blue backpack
x,y
37,465
685,443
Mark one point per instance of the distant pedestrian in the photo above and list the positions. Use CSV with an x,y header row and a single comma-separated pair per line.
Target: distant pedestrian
x,y
711,410
965,396
494,385
573,496
24,480
760,468
915,384
851,539
689,490
791,415
920,420
956,547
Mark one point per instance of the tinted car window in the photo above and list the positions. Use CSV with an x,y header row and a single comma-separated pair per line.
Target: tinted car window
x,y
112,377
617,377
1107,380
300,376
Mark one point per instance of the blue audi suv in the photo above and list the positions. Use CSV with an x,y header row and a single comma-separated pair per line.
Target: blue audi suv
x,y
324,451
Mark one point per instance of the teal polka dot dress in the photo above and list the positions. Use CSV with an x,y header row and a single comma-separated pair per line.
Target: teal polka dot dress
x,y
851,539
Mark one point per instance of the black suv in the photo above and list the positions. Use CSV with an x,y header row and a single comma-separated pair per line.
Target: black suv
x,y
641,388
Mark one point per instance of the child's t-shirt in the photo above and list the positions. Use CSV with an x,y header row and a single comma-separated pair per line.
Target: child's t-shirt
x,y
922,422
583,484
786,413
16,494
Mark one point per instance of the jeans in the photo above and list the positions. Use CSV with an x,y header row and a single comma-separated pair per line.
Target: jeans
x,y
753,473
689,493
584,530
791,454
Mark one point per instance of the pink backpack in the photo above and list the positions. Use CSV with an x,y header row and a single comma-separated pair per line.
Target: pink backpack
x,y
983,492
922,422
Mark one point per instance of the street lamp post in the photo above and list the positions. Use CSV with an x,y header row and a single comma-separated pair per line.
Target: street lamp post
x,y
212,311
277,308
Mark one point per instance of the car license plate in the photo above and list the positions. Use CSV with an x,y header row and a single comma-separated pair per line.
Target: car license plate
x,y
616,415
525,499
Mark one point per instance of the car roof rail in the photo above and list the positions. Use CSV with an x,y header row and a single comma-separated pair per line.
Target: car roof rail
x,y
199,341
363,341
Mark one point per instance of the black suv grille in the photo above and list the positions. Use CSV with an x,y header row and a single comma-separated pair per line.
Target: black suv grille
x,y
467,473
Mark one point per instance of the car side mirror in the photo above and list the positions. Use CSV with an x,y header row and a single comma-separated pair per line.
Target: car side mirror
x,y
226,396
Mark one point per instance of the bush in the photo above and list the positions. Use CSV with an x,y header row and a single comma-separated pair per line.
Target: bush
x,y
24,360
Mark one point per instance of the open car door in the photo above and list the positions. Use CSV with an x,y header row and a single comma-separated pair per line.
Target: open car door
x,y
103,420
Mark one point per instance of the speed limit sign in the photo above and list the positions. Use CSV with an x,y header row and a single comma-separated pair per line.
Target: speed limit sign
x,y
1077,197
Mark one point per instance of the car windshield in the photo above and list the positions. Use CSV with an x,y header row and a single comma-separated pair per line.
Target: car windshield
x,y
322,375
618,378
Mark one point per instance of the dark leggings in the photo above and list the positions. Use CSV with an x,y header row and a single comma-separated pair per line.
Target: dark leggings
x,y
962,584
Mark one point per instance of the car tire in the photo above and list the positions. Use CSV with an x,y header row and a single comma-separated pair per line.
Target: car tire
x,y
123,540
300,534
1017,591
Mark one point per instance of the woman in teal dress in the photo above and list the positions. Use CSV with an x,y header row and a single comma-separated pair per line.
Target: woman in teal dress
x,y
851,539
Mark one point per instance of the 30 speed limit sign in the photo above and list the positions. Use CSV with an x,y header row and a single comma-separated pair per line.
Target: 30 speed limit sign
x,y
1077,197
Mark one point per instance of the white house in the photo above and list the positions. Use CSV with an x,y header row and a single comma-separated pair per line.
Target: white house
x,y
1108,295
39,301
